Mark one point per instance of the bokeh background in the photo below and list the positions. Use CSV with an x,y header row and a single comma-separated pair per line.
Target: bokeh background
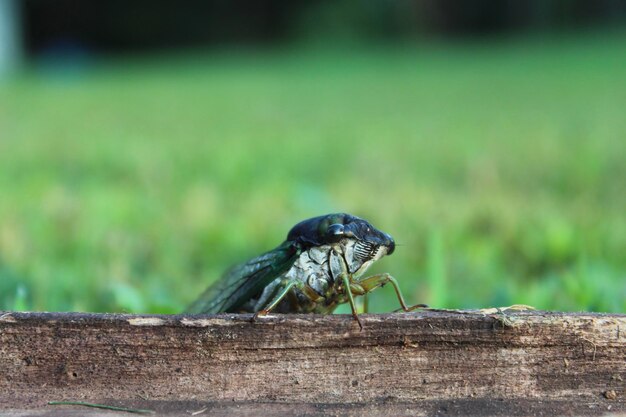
x,y
146,146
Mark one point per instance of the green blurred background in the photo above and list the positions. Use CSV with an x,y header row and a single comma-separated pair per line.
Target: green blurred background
x,y
133,171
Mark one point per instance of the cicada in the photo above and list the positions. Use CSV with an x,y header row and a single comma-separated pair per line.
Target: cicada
x,y
318,267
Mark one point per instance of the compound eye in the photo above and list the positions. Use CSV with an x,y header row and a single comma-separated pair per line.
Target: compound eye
x,y
335,230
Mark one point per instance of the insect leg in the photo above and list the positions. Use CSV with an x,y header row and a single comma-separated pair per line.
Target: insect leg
x,y
369,284
268,294
339,271
279,297
346,284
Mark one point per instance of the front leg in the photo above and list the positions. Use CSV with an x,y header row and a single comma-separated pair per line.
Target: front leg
x,y
348,289
369,284
343,278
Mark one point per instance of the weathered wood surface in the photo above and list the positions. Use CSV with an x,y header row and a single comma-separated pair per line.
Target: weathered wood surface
x,y
424,363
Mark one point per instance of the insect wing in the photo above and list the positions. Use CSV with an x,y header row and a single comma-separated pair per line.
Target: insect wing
x,y
245,281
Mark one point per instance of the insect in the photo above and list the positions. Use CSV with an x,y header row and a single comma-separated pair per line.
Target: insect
x,y
318,267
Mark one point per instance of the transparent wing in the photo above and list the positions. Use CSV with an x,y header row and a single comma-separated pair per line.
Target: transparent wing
x,y
244,281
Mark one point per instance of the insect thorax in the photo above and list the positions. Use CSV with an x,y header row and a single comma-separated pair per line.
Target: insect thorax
x,y
320,268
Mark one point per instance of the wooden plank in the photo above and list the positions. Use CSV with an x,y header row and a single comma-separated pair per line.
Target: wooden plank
x,y
422,363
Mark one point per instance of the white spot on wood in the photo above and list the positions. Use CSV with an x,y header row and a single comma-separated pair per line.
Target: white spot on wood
x,y
7,318
146,321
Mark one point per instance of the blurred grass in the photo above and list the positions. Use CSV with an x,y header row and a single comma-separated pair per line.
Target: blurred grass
x,y
130,185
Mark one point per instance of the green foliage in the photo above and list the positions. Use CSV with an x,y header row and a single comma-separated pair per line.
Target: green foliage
x,y
500,172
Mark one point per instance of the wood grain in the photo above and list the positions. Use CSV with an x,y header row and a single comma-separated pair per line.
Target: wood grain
x,y
424,363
